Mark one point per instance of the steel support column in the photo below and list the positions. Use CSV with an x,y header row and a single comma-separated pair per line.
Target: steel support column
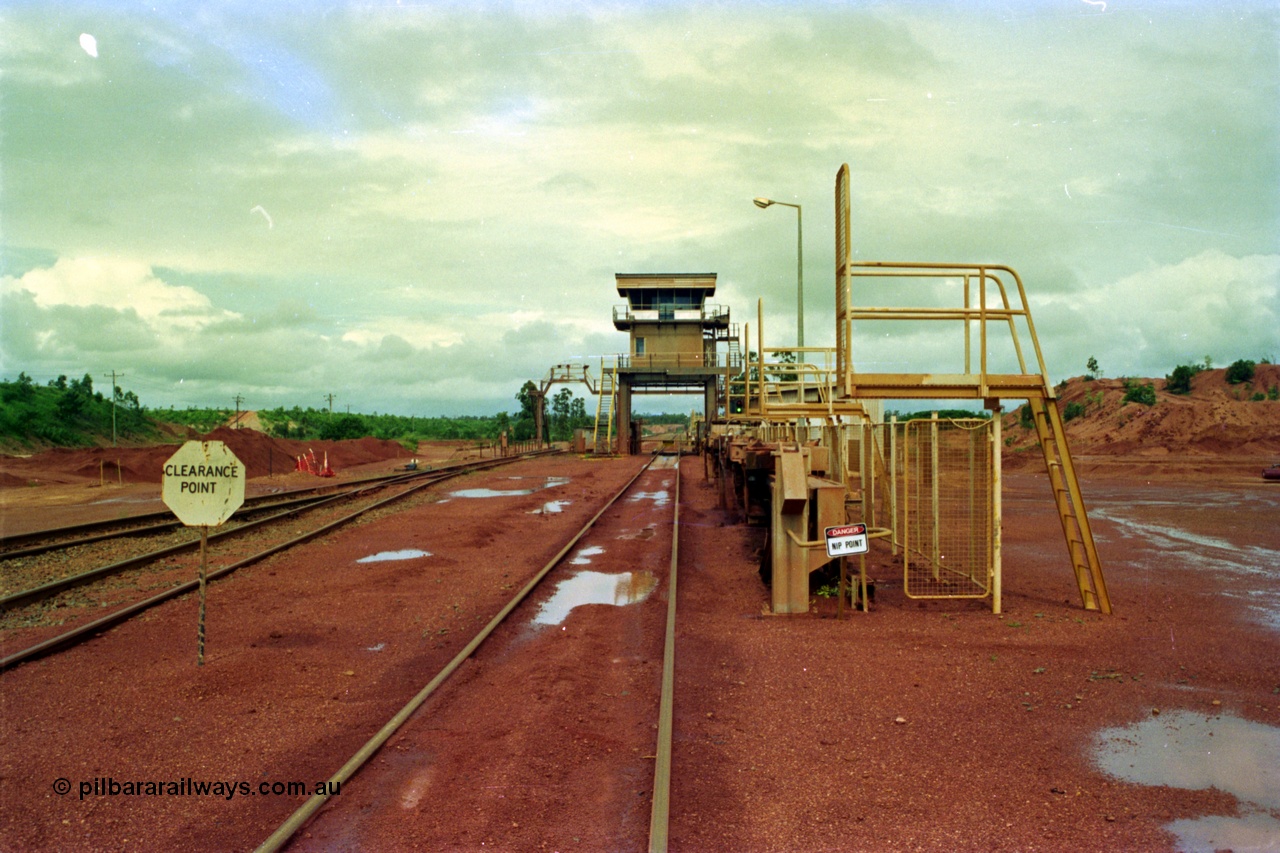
x,y
622,417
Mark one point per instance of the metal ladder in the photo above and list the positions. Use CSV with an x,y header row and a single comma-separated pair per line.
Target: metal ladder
x,y
603,446
1071,510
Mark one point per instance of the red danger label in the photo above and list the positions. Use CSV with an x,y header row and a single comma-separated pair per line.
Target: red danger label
x,y
847,530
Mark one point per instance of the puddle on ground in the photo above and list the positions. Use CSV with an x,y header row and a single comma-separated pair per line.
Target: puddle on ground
x,y
1188,750
490,493
584,555
383,556
549,483
595,588
1254,565
659,498
550,507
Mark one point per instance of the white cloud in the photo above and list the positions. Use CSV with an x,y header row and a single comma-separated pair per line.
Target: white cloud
x,y
1149,322
120,285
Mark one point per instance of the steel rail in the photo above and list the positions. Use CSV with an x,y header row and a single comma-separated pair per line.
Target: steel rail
x,y
80,632
659,814
36,593
297,505
164,518
300,504
304,813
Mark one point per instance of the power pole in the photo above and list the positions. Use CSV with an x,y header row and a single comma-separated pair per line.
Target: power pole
x,y
113,406
329,397
239,400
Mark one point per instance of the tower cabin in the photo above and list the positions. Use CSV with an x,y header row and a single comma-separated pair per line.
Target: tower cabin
x,y
675,340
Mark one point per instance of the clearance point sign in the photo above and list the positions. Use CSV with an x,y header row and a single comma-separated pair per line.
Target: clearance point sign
x,y
203,483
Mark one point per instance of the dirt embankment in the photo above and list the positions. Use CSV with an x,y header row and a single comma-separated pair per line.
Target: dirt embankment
x,y
261,454
1217,420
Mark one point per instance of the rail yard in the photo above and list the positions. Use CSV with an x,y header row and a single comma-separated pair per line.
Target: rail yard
x,y
801,625
914,725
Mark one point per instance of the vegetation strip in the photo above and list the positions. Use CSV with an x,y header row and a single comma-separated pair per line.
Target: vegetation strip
x,y
299,818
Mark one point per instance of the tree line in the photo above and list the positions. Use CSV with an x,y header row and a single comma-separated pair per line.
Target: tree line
x,y
71,413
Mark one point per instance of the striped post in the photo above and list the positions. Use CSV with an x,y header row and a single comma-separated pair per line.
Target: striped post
x,y
204,567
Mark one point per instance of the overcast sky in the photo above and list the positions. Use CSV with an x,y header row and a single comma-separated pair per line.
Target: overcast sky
x,y
417,206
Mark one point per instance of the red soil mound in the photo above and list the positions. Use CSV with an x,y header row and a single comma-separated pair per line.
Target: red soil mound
x,y
261,454
1216,419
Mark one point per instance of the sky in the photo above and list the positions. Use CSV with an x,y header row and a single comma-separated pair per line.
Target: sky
x,y
415,207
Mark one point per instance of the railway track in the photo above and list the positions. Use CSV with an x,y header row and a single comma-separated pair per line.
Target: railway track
x,y
159,535
638,516
321,512
36,542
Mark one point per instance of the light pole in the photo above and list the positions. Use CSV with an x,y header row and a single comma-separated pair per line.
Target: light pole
x,y
763,203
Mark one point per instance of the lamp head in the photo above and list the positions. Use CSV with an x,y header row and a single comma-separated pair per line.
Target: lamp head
x,y
763,202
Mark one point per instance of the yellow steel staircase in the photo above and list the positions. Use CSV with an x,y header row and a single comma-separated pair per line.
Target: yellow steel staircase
x,y
603,443
1070,505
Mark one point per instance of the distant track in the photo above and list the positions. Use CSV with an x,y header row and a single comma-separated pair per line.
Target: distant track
x,y
16,545
311,499
413,482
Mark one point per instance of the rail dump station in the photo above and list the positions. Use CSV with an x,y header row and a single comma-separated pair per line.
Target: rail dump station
x,y
797,439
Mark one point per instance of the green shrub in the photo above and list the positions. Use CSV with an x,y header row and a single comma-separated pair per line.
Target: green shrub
x,y
1240,371
1179,382
1072,411
1025,418
1138,392
344,427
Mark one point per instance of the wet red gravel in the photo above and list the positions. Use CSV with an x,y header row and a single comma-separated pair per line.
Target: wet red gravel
x,y
917,726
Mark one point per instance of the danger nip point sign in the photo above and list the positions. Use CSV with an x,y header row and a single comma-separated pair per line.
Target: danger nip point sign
x,y
847,539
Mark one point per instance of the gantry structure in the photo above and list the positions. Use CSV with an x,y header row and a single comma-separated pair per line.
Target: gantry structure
x,y
808,429
796,436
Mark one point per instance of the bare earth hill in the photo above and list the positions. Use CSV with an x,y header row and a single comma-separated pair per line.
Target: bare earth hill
x,y
1217,421
261,454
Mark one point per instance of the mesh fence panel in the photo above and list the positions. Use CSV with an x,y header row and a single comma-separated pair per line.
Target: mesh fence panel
x,y
944,497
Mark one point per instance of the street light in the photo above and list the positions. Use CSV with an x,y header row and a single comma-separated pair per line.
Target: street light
x,y
763,203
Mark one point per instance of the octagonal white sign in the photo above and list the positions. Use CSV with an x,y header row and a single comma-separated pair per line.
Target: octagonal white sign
x,y
203,483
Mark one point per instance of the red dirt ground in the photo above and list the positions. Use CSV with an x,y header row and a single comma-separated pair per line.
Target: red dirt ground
x,y
917,726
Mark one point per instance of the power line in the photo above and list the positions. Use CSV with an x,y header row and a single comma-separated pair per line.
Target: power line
x,y
113,406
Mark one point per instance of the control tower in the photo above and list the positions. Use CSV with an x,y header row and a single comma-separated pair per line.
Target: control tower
x,y
675,341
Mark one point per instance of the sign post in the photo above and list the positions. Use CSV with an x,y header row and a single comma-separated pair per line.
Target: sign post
x,y
843,541
203,484
846,539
